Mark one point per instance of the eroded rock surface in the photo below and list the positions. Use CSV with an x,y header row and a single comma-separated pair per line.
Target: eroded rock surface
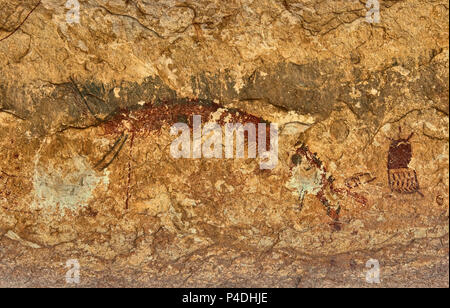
x,y
86,171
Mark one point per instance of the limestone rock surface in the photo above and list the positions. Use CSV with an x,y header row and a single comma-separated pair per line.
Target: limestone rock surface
x,y
87,173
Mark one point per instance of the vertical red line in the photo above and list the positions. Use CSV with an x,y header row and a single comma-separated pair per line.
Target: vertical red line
x,y
129,172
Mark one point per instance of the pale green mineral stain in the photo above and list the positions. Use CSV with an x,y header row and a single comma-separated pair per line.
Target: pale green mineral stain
x,y
305,182
57,191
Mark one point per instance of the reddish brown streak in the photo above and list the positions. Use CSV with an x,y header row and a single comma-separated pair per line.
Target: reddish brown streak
x,y
152,117
129,172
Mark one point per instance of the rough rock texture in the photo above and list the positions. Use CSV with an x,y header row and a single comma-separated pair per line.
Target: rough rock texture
x,y
86,171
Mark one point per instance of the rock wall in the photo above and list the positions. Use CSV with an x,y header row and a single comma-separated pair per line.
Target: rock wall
x,y
88,97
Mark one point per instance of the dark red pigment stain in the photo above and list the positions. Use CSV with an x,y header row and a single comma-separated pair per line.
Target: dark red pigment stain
x,y
400,153
327,184
130,124
153,116
402,179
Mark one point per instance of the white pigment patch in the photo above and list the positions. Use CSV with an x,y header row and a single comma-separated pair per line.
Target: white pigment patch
x,y
117,92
